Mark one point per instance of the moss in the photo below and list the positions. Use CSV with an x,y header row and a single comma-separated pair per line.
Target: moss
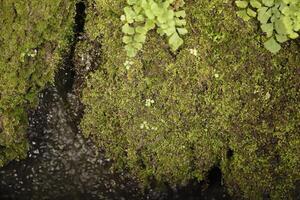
x,y
32,36
234,95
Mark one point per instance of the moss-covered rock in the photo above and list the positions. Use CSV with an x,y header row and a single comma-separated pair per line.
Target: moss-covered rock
x,y
32,36
172,117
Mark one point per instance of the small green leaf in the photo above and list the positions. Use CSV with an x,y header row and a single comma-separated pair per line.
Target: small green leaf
x,y
158,11
293,35
182,31
281,38
284,26
264,14
149,14
241,4
131,2
150,24
160,31
272,45
251,12
127,29
175,41
170,14
276,12
141,30
268,3
268,29
170,31
243,14
162,19
180,22
130,14
297,24
255,4
154,8
131,52
127,39
139,18
137,9
137,45
171,23
140,38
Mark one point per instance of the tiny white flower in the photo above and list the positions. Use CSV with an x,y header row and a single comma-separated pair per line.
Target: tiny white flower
x,y
142,126
128,64
149,102
194,52
154,128
123,18
217,75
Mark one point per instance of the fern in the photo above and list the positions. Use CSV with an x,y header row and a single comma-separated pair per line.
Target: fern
x,y
279,19
142,16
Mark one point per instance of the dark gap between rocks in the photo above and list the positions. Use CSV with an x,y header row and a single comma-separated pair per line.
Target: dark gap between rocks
x,y
230,153
65,77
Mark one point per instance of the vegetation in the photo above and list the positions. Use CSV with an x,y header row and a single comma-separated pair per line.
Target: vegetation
x,y
32,36
171,118
279,19
141,16
220,100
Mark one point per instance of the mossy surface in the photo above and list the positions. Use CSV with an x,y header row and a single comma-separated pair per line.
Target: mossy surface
x,y
232,95
32,37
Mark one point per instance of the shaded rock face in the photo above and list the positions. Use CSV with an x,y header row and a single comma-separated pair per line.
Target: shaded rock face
x,y
244,89
61,163
220,100
32,36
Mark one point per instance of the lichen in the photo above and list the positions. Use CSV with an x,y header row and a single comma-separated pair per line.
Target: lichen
x,y
33,35
231,96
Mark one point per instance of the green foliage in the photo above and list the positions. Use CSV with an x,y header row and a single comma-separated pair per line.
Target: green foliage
x,y
279,19
32,36
142,16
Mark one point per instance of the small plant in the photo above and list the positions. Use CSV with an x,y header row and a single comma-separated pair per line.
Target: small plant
x,y
142,16
279,19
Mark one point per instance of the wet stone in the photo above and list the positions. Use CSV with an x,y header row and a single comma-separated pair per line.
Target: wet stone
x,y
65,153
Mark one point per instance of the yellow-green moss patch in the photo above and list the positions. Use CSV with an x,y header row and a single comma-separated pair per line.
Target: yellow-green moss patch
x,y
32,35
172,117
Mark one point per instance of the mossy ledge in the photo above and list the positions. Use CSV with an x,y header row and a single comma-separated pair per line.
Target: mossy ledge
x,y
33,35
172,117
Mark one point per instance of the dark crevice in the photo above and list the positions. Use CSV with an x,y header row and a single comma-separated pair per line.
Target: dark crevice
x,y
79,19
230,153
65,77
216,188
210,188
215,176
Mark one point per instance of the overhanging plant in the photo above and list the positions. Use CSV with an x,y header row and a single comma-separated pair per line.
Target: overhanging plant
x,y
142,16
279,19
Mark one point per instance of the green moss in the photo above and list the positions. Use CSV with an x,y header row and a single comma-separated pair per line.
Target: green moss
x,y
32,36
230,94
